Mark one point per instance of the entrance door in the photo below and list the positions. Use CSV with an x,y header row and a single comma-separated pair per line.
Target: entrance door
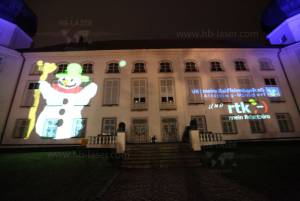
x,y
139,131
169,129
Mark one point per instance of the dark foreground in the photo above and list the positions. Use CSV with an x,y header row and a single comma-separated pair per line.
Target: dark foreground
x,y
246,172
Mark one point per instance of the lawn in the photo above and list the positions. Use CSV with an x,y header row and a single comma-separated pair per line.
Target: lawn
x,y
54,176
271,169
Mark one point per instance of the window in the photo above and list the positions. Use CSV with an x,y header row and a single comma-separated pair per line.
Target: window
x,y
139,133
201,123
167,94
221,83
245,83
79,128
266,64
216,66
228,125
190,67
273,90
257,125
28,97
193,86
240,65
50,128
21,128
285,122
165,67
169,129
139,68
139,94
62,68
111,92
87,68
109,126
113,68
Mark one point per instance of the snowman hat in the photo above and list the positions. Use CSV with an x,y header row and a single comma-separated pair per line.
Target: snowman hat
x,y
73,70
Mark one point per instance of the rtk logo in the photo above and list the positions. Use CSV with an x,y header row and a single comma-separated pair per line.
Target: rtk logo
x,y
244,108
239,108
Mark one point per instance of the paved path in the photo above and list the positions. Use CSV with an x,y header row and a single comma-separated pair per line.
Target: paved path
x,y
176,185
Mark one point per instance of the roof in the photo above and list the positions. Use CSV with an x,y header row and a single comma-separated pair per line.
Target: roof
x,y
146,44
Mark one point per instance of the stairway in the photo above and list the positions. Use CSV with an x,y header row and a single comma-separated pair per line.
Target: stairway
x,y
163,155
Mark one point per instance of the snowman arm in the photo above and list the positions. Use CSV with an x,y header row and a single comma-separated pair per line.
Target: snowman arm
x,y
87,93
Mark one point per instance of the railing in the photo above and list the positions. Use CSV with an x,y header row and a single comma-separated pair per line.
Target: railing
x,y
210,137
102,141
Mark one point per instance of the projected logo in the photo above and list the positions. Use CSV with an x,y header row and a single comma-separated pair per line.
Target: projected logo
x,y
61,117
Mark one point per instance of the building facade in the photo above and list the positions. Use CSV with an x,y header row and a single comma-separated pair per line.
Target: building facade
x,y
156,92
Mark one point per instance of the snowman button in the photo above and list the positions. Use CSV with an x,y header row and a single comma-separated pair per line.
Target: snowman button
x,y
65,101
62,111
60,122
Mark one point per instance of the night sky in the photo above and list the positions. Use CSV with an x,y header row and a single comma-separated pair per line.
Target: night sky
x,y
61,21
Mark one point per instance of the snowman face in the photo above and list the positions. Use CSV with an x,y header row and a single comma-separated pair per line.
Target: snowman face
x,y
67,82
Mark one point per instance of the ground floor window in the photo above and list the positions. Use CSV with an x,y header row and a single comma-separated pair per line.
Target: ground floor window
x,y
228,125
257,126
285,122
169,129
21,128
139,131
201,122
109,126
79,127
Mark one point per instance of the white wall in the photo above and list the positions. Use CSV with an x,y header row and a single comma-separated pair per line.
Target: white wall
x,y
9,70
95,112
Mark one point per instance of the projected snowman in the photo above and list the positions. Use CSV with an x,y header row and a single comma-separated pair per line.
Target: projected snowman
x,y
61,118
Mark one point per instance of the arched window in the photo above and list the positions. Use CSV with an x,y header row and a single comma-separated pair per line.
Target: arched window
x,y
165,67
113,68
216,66
240,65
139,67
265,64
87,68
62,67
190,67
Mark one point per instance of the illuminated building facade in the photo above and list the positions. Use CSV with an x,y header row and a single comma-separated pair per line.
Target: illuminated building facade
x,y
61,97
154,94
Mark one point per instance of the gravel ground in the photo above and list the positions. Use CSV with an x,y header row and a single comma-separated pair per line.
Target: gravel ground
x,y
180,184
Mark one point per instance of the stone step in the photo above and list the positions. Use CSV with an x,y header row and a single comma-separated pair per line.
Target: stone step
x,y
175,164
166,157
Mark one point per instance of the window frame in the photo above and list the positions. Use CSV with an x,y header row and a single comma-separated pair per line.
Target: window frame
x,y
268,61
290,122
234,126
115,126
167,105
277,84
87,63
261,123
189,92
25,96
203,117
134,67
107,70
17,127
221,65
164,62
245,65
85,127
190,71
64,67
111,93
139,105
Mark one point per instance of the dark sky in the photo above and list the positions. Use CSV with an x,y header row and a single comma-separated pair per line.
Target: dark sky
x,y
64,20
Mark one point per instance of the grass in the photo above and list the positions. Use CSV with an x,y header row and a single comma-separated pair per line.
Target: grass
x,y
269,169
53,176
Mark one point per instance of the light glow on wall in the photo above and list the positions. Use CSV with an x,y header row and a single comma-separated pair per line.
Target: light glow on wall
x,y
61,117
